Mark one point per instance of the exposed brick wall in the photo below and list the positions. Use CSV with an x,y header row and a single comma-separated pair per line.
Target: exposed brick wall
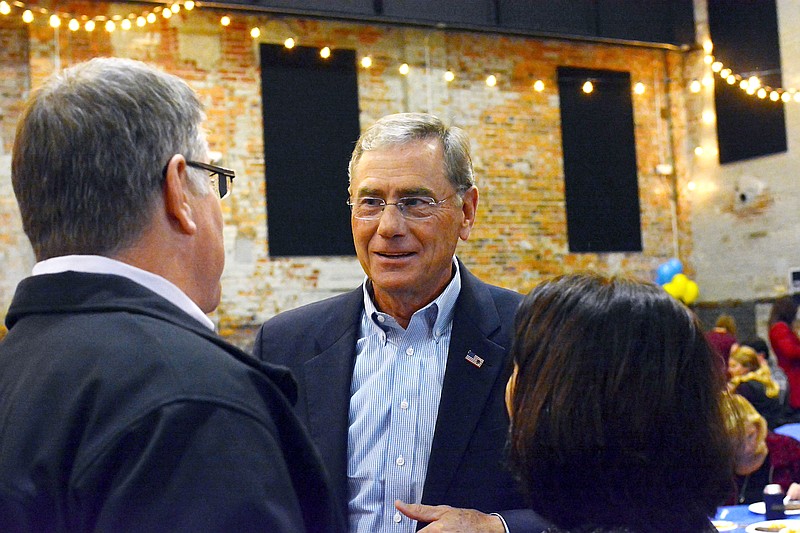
x,y
520,236
16,257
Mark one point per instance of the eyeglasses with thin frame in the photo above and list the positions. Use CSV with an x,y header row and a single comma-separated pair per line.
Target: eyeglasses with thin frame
x,y
410,207
221,178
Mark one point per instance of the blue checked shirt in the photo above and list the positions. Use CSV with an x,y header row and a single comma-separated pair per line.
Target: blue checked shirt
x,y
394,400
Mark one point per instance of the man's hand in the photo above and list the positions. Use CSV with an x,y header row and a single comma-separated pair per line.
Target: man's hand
x,y
446,519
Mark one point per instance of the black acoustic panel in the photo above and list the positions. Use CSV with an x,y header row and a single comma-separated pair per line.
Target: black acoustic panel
x,y
310,109
745,37
567,17
475,12
663,21
600,172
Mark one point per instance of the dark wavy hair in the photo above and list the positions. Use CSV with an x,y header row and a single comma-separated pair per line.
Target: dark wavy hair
x,y
617,415
784,309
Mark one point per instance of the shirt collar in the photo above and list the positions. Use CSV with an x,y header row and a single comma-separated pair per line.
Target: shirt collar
x,y
96,264
437,314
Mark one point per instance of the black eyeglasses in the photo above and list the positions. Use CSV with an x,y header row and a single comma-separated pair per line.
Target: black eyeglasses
x,y
221,178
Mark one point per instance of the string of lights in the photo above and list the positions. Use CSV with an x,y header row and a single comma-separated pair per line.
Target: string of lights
x,y
751,85
89,23
30,14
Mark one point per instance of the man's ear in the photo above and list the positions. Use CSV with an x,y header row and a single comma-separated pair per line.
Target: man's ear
x,y
469,208
176,195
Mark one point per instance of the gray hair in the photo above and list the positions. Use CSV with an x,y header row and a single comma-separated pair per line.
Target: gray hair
x,y
403,128
91,150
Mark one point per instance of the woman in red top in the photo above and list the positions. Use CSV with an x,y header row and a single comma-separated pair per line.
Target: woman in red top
x,y
786,344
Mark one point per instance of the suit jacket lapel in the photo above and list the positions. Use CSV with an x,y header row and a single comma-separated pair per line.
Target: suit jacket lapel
x,y
327,377
466,387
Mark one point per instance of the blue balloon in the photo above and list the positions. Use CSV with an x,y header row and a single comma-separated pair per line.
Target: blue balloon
x,y
675,266
663,274
668,270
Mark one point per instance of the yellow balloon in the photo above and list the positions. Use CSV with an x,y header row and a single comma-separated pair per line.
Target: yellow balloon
x,y
672,290
690,293
679,282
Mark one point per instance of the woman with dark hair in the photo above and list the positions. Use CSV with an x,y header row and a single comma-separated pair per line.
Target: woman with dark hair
x,y
786,344
616,406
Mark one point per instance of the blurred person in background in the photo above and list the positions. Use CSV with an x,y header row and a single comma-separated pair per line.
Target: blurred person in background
x,y
786,344
750,378
722,336
769,364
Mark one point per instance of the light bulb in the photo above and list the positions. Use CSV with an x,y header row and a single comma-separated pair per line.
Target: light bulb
x,y
538,86
404,69
225,21
89,26
5,9
366,61
588,87
27,16
255,33
491,80
325,53
55,21
289,43
449,76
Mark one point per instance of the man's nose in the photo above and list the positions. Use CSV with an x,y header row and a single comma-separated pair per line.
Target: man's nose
x,y
391,222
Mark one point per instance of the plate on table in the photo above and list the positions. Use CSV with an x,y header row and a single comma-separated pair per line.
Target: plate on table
x,y
775,526
760,508
724,525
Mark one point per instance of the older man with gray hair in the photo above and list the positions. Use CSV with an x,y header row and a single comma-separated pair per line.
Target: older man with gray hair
x,y
121,409
402,380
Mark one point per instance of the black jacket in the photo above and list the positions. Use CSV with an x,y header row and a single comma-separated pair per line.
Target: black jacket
x,y
119,412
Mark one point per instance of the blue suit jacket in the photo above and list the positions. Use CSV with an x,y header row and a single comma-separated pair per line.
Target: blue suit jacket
x,y
467,461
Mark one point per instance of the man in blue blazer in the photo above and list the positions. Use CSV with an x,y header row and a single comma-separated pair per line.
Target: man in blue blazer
x,y
401,381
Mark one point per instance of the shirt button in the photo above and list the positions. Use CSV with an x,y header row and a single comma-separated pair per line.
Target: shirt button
x,y
381,319
404,405
409,351
397,518
400,461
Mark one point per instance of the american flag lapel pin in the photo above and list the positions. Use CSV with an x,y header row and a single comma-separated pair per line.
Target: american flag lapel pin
x,y
474,359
